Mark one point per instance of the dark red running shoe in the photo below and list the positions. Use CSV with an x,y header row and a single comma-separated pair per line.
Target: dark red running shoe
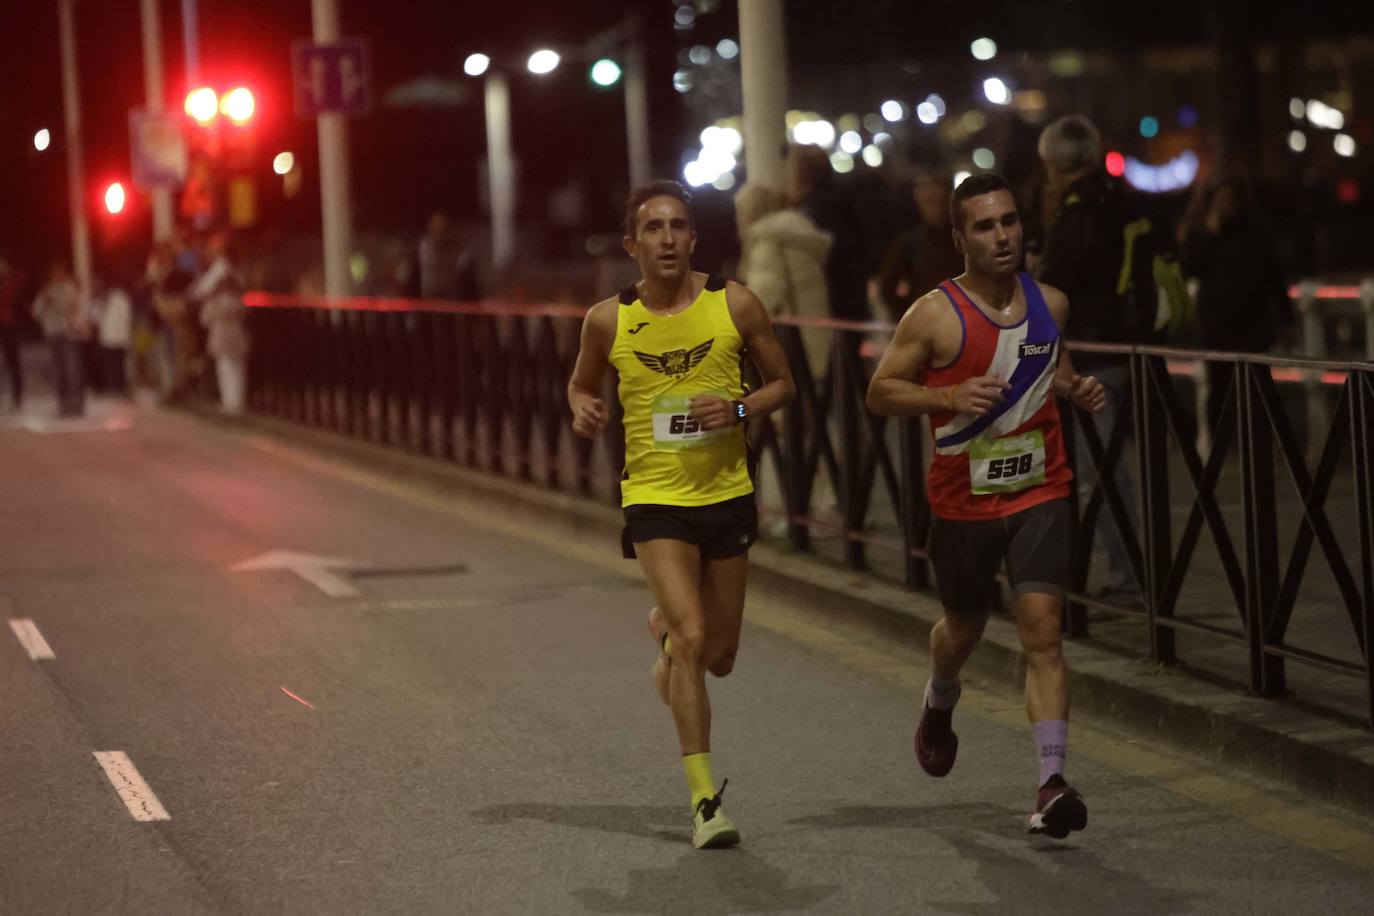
x,y
936,743
1059,809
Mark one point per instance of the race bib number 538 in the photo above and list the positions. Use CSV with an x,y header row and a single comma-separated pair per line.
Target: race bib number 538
x,y
1007,465
675,428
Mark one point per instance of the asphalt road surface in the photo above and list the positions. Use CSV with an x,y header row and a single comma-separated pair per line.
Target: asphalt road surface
x,y
452,714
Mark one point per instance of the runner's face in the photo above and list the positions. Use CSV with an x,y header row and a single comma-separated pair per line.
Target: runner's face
x,y
664,240
991,235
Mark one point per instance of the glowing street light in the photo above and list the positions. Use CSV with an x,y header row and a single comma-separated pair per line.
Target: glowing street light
x,y
202,104
42,140
283,162
984,49
115,197
996,91
238,105
476,64
605,72
543,61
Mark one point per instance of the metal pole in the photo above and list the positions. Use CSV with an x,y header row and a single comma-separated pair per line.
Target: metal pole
x,y
636,106
76,179
763,70
500,171
190,40
335,206
1313,347
1367,303
152,87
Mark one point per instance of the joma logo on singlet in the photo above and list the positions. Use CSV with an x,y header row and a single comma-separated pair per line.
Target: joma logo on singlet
x,y
1036,349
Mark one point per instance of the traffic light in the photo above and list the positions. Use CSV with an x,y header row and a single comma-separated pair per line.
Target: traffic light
x,y
202,105
238,105
115,198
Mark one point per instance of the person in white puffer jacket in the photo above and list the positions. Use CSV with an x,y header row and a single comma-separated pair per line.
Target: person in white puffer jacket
x,y
783,262
220,292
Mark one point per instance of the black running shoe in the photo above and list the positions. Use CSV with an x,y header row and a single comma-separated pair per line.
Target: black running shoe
x,y
936,743
1059,809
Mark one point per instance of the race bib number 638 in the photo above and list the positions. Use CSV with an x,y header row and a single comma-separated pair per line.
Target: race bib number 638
x,y
1007,465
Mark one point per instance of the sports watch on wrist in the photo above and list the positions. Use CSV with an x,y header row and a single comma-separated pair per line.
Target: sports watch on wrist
x,y
741,411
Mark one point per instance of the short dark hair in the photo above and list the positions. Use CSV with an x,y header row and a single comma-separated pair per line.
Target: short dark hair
x,y
664,187
974,186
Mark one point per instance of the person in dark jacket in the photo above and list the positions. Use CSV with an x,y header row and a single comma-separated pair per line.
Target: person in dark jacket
x,y
1084,250
810,184
922,257
9,331
1242,294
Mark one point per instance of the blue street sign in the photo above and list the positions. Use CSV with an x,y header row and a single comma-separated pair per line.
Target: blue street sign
x,y
330,77
157,148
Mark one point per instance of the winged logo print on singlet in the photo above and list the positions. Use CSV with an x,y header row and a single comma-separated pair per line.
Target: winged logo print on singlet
x,y
676,362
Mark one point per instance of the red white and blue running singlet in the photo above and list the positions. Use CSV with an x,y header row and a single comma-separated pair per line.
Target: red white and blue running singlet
x,y
1012,457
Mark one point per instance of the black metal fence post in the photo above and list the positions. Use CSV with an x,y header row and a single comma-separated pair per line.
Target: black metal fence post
x,y
1261,537
1075,614
1362,448
842,357
915,518
1152,450
795,485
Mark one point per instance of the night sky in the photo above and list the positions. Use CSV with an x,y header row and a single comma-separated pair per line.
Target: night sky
x,y
410,161
404,162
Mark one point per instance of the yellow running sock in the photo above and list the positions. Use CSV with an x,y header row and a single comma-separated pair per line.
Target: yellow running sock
x,y
698,767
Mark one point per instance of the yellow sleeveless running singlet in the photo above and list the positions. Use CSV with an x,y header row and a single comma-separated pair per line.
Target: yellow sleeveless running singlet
x,y
663,361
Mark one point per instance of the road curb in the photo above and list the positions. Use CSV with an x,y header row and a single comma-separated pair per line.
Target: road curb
x,y
1324,756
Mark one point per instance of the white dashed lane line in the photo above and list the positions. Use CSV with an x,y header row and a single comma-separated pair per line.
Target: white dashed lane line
x,y
32,640
133,791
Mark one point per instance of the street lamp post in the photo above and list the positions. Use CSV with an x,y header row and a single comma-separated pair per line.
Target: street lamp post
x,y
500,171
636,106
76,179
335,205
763,72
500,159
152,87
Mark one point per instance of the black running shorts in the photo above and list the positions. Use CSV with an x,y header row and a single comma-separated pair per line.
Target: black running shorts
x,y
722,530
1034,544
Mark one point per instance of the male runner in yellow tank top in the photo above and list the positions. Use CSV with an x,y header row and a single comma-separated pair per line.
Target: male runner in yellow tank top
x,y
675,339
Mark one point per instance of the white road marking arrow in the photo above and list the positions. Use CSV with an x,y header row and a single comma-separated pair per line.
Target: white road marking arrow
x,y
313,569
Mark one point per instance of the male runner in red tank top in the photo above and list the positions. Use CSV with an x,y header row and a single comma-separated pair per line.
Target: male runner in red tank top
x,y
981,355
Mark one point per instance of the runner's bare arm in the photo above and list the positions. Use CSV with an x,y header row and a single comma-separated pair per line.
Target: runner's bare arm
x,y
893,390
1084,390
584,388
751,320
